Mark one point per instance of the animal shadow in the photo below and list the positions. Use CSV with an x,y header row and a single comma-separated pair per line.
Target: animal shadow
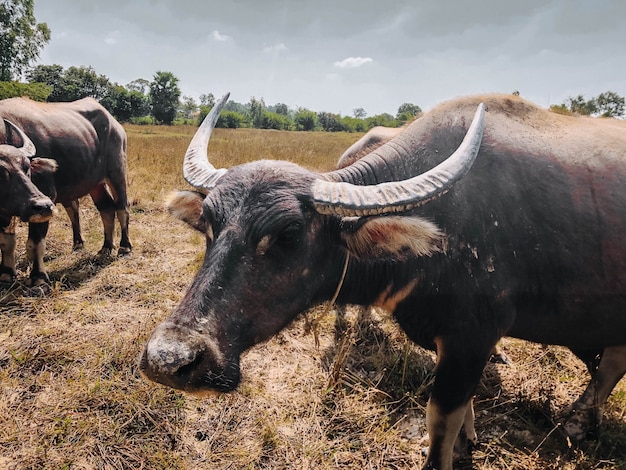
x,y
69,277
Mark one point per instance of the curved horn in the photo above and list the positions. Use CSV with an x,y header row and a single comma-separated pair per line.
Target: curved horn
x,y
345,199
197,170
17,138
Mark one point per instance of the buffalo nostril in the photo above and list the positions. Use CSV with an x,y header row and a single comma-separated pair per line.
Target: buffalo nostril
x,y
42,206
168,358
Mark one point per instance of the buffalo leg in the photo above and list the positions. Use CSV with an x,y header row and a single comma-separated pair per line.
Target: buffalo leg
x,y
7,247
35,250
109,208
125,245
587,411
117,179
458,372
73,213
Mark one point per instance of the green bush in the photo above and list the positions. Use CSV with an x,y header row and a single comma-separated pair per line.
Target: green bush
x,y
386,120
305,120
142,120
276,121
231,120
352,124
35,91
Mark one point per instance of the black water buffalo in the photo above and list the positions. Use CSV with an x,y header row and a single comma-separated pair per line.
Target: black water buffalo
x,y
372,139
89,146
19,196
528,242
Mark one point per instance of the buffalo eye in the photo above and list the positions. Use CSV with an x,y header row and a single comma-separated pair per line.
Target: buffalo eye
x,y
289,236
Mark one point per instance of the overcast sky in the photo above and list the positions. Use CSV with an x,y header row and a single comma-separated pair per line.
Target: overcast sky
x,y
338,55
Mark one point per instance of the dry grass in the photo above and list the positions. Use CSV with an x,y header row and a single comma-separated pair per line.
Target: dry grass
x,y
70,395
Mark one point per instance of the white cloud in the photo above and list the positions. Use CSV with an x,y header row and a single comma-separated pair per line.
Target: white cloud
x,y
275,49
111,38
219,37
353,62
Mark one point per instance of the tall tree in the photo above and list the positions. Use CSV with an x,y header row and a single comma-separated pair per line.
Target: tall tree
x,y
257,108
281,108
578,104
610,104
51,75
164,94
80,82
139,84
407,111
21,37
71,84
188,107
359,113
207,99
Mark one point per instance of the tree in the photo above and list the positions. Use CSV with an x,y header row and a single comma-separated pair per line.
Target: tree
x,y
207,100
281,108
330,122
188,107
384,119
272,120
607,104
257,108
610,104
51,75
359,113
139,84
21,37
126,104
305,119
407,111
580,105
81,82
164,94
71,84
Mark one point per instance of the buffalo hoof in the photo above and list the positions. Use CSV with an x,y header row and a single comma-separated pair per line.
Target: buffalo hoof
x,y
581,424
78,246
38,280
105,252
7,275
124,251
463,446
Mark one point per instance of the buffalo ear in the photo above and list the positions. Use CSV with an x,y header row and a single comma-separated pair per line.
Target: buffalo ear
x,y
43,165
391,237
187,206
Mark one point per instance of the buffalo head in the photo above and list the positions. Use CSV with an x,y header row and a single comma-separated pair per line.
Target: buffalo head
x,y
18,195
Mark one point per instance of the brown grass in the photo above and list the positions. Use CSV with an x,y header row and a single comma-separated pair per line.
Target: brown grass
x,y
71,397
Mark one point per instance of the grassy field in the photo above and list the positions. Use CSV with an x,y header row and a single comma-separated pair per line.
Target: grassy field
x,y
71,396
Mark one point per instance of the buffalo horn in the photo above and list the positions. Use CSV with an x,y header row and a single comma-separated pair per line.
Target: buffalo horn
x,y
346,199
197,170
25,144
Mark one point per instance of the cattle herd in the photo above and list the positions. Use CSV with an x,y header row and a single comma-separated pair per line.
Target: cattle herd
x,y
486,217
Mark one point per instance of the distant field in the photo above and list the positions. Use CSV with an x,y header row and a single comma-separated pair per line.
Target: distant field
x,y
71,396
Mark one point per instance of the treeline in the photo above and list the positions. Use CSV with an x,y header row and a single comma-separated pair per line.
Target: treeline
x,y
159,101
258,115
607,104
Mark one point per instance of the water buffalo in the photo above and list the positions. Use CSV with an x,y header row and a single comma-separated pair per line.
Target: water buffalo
x,y
19,196
511,225
372,139
89,146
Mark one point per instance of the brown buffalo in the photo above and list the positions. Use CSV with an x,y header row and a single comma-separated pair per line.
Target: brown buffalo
x,y
89,148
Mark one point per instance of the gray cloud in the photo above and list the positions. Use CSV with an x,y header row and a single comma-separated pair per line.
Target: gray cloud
x,y
299,52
